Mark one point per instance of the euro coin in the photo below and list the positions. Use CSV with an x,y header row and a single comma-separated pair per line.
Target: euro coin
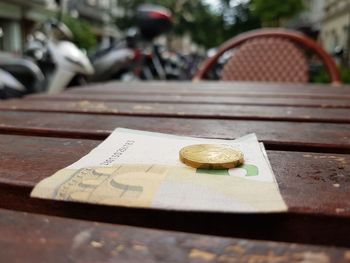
x,y
211,156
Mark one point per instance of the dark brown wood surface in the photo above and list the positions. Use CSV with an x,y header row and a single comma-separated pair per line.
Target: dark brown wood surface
x,y
38,238
180,110
319,137
217,87
306,129
307,173
222,99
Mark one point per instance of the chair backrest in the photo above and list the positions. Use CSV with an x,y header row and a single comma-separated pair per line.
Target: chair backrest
x,y
267,59
269,55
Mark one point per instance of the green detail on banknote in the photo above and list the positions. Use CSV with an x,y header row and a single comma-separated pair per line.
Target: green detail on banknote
x,y
214,172
251,170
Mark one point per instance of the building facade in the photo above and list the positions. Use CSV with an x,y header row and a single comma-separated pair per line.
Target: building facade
x,y
17,18
314,13
335,25
310,20
99,13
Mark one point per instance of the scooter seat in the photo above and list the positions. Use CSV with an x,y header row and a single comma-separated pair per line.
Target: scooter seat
x,y
25,71
101,52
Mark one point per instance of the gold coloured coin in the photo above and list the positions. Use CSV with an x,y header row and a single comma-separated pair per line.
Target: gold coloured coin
x,y
211,156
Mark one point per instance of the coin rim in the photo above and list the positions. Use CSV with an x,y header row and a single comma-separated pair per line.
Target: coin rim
x,y
208,165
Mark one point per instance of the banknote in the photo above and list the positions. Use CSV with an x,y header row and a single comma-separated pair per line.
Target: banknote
x,y
142,169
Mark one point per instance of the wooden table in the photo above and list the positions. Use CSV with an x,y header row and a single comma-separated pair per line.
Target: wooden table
x,y
305,128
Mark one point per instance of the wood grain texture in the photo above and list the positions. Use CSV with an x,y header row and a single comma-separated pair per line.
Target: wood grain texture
x,y
39,238
215,88
248,112
300,136
314,186
141,91
199,99
294,121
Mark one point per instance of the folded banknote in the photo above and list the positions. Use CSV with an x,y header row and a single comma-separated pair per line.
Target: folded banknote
x,y
142,169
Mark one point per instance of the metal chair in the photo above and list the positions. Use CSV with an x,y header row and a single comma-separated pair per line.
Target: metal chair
x,y
269,55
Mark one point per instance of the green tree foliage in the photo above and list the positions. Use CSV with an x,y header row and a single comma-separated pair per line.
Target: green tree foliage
x,y
274,12
239,19
82,32
205,26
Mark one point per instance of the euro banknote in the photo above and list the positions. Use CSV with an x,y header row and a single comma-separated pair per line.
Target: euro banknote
x,y
142,169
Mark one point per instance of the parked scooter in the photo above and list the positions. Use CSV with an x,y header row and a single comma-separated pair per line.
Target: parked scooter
x,y
113,62
61,61
50,61
9,86
26,72
134,57
11,69
166,64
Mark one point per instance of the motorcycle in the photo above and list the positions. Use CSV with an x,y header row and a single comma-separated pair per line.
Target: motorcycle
x,y
11,68
51,62
135,56
9,86
61,61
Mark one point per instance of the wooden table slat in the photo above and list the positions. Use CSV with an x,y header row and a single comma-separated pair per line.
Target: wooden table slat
x,y
305,127
301,136
216,88
38,238
301,177
276,113
341,102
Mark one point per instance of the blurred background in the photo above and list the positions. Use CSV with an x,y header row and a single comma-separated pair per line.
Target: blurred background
x,y
197,28
198,24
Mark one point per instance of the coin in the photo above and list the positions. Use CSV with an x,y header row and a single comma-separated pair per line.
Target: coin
x,y
211,156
